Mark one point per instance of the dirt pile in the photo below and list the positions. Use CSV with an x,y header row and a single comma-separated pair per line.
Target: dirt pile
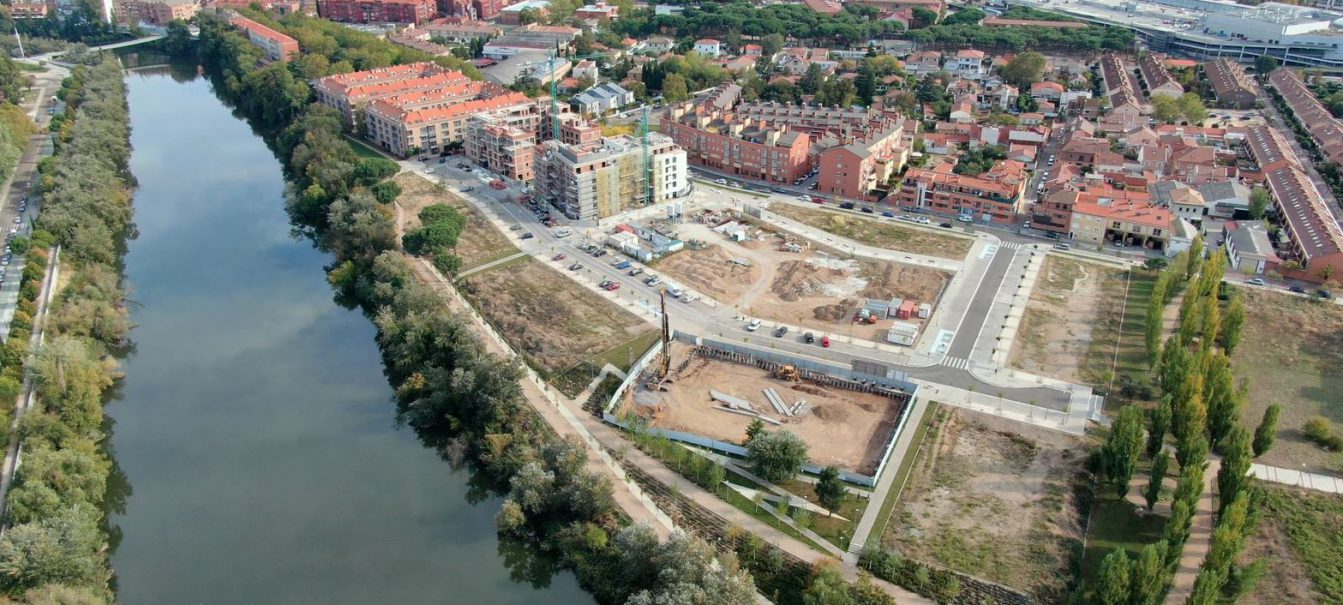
x,y
796,279
835,312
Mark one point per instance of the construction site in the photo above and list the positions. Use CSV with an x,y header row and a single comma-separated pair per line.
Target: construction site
x,y
716,394
791,280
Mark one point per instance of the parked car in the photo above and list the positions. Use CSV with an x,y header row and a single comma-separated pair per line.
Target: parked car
x,y
778,333
867,210
559,257
613,286
1297,289
528,235
804,197
720,181
964,218
1325,294
575,267
468,189
599,253
825,342
808,338
945,225
636,270
653,280
515,228
604,283
888,214
847,205
753,325
1256,281
1062,247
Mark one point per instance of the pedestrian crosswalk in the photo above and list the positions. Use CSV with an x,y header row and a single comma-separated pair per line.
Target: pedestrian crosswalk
x,y
1011,245
956,362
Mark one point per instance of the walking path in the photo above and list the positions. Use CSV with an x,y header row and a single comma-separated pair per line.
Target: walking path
x,y
863,532
492,264
26,400
1200,539
1287,476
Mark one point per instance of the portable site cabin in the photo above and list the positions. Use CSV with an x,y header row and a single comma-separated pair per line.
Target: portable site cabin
x,y
893,307
906,310
925,311
902,333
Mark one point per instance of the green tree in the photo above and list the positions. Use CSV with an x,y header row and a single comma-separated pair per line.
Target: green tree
x,y
674,88
772,44
965,16
1025,69
1112,581
1153,491
1191,107
756,427
1123,446
178,42
1233,321
813,79
1259,202
776,456
830,489
827,588
1148,576
1263,64
1267,430
1234,474
63,549
1165,109
1158,424
922,18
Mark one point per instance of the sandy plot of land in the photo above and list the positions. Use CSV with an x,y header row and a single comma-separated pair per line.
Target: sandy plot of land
x,y
711,272
1070,306
824,292
844,428
1291,352
993,498
878,232
479,243
555,322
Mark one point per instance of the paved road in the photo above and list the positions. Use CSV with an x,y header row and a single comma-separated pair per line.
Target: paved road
x,y
704,319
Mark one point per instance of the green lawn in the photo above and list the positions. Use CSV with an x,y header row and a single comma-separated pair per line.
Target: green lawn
x,y
902,474
1300,540
362,150
835,529
1116,524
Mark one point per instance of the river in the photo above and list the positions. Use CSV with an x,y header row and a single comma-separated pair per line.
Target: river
x,y
254,424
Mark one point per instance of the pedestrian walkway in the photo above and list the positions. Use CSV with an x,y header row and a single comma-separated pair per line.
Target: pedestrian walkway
x,y
492,264
1200,539
1295,478
863,533
955,362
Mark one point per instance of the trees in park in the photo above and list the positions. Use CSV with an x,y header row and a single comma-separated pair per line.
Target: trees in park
x,y
1123,446
1113,579
776,455
1153,491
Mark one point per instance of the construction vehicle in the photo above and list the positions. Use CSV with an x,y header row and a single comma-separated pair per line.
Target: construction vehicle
x,y
788,373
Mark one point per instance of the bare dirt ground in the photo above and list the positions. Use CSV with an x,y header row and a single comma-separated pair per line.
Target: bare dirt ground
x,y
1291,352
479,243
817,288
710,272
1286,580
1069,306
993,498
878,232
844,428
555,322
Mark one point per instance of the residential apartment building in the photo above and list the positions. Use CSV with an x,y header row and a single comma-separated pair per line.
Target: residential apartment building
x,y
156,12
713,135
1132,222
405,129
1159,79
414,12
504,143
348,93
29,10
1231,84
278,46
857,169
600,177
996,195
601,99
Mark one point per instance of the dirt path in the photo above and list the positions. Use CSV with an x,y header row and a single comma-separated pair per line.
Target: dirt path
x,y
767,268
1200,539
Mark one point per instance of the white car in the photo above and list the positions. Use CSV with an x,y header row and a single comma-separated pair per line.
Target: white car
x,y
805,198
1256,282
753,326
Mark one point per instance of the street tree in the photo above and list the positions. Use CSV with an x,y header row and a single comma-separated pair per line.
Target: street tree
x,y
1158,424
1236,458
1233,321
1147,575
1123,447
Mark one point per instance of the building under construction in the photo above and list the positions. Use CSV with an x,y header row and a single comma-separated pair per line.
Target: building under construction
x,y
591,177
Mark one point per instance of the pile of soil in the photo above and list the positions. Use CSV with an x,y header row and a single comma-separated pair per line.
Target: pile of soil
x,y
795,279
835,312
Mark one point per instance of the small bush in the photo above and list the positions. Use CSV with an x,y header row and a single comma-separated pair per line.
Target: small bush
x,y
1319,430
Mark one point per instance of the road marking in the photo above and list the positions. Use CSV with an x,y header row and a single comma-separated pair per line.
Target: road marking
x,y
955,362
1011,245
988,251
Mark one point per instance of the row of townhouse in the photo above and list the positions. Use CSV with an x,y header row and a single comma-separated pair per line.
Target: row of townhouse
x,y
1231,84
349,93
1315,241
1307,110
1159,79
1126,99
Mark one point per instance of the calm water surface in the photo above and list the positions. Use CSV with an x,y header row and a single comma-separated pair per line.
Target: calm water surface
x,y
255,426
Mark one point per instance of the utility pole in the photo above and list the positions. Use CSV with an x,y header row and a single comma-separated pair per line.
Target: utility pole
x,y
20,41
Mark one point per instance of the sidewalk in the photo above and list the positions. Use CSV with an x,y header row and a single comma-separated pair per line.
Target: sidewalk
x,y
1287,476
862,533
1200,539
